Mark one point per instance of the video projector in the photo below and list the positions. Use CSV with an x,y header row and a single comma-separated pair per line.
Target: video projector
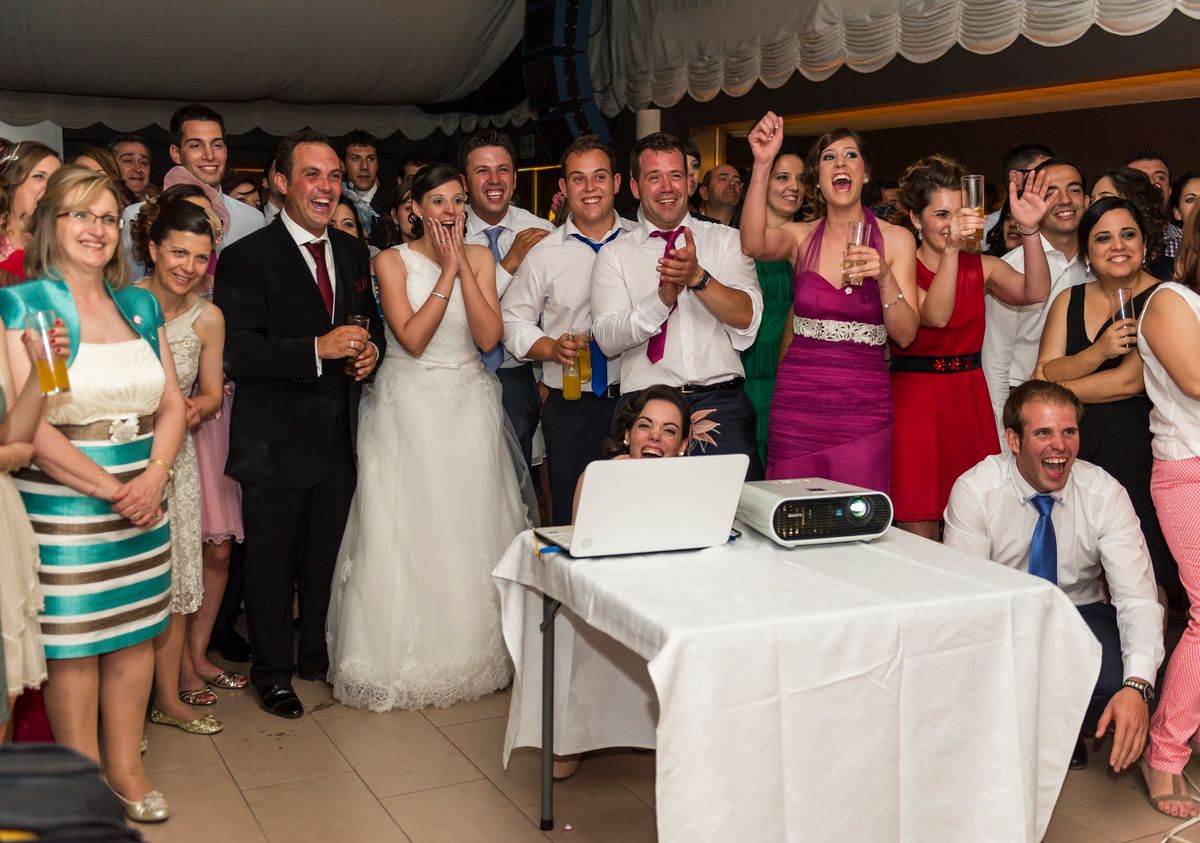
x,y
812,510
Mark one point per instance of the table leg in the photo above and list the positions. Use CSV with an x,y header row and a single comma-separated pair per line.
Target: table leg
x,y
550,608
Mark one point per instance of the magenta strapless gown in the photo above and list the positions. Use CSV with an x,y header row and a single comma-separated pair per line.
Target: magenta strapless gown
x,y
831,415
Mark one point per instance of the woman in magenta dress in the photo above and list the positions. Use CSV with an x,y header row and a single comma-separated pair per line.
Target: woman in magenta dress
x,y
831,415
944,420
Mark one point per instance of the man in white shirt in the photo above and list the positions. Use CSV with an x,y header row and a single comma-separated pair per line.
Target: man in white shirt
x,y
720,192
198,145
1042,511
550,297
272,198
677,300
1013,334
509,232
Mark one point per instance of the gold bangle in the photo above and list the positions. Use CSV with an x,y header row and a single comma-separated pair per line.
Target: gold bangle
x,y
165,466
96,488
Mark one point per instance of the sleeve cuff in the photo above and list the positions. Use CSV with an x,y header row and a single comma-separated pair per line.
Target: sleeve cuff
x,y
317,357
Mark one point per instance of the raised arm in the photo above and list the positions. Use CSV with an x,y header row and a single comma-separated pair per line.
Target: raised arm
x,y
759,241
1000,279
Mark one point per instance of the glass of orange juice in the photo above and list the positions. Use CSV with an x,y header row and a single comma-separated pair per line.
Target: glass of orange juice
x,y
51,370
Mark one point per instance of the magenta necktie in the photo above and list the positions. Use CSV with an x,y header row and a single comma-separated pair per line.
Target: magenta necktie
x,y
658,342
324,284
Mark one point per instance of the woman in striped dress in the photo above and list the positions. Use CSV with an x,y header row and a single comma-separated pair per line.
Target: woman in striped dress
x,y
102,459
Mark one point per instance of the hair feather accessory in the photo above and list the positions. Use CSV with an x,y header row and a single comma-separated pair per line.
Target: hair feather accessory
x,y
703,431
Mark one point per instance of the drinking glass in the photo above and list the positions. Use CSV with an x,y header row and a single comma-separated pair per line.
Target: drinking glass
x,y
856,235
972,197
583,336
572,385
51,370
1121,301
357,321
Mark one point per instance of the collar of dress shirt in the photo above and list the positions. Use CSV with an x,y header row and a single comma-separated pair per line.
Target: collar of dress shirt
x,y
1025,491
644,227
476,225
300,234
569,228
370,194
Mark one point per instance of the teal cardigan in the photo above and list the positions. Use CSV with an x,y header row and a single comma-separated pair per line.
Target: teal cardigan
x,y
139,307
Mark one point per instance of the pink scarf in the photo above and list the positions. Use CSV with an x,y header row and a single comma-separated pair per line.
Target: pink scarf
x,y
180,175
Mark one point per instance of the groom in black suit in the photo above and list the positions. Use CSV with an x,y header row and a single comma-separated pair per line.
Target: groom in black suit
x,y
286,292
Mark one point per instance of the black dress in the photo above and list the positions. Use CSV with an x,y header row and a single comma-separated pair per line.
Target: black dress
x,y
1115,435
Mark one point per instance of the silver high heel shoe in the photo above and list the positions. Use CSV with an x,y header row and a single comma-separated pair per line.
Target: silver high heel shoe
x,y
151,809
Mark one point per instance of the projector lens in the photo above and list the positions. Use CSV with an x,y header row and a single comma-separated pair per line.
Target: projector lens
x,y
858,509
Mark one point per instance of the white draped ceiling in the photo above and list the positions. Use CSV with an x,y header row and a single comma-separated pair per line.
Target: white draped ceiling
x,y
654,52
277,66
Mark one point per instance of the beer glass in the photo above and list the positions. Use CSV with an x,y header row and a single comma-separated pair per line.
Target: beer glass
x,y
572,386
972,197
51,370
856,235
1121,300
583,336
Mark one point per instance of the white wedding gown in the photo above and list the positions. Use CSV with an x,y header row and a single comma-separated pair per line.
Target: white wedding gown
x,y
414,618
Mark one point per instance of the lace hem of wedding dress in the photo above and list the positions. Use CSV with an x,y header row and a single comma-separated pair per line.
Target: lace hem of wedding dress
x,y
416,686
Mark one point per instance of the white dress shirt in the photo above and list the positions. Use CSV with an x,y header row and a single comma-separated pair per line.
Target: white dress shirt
x,y
271,211
1096,530
1175,417
515,221
551,294
301,236
243,220
1013,333
627,312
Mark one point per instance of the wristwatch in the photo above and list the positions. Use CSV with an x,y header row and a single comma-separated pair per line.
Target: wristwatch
x,y
705,277
1143,688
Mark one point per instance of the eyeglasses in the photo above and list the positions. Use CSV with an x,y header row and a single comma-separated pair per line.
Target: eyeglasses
x,y
87,218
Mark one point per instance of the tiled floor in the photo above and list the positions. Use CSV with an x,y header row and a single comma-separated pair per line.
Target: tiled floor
x,y
339,774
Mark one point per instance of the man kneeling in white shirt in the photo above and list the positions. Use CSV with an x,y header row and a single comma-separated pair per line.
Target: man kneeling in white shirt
x,y
1042,511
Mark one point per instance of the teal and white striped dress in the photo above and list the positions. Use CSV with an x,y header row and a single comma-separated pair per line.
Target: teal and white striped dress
x,y
107,584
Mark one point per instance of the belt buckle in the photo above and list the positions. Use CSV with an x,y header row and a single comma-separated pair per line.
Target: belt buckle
x,y
687,389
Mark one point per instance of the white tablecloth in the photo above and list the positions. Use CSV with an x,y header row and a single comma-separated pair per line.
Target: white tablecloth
x,y
892,691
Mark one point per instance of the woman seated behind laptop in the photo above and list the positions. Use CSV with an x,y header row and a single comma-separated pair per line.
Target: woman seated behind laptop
x,y
655,422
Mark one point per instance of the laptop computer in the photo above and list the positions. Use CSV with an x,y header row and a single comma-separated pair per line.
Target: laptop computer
x,y
648,505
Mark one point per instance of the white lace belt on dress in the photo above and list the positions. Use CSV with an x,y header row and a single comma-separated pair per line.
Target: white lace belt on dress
x,y
834,330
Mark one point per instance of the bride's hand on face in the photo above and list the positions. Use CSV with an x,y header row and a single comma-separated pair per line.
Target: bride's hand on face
x,y
445,251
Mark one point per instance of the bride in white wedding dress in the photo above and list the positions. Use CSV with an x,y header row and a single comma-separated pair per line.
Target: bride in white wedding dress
x,y
414,618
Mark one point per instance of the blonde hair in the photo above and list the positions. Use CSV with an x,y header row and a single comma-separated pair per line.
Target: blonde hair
x,y
70,187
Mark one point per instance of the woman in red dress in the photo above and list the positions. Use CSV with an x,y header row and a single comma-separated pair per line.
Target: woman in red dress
x,y
24,170
944,423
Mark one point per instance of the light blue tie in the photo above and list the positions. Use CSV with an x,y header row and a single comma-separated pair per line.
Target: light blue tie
x,y
492,359
599,361
1043,549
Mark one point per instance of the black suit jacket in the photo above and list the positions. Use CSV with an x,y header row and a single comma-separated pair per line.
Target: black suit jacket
x,y
285,418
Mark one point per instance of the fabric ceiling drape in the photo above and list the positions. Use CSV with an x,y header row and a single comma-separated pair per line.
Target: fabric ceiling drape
x,y
274,66
648,53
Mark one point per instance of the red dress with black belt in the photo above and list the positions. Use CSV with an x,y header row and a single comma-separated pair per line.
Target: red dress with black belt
x,y
943,423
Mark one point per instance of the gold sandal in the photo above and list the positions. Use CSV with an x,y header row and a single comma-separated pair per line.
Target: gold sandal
x,y
228,680
199,696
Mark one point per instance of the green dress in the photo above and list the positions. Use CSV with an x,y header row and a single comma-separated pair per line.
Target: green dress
x,y
762,358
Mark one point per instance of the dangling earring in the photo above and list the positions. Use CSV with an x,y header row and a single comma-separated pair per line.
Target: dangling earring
x,y
918,233
1087,266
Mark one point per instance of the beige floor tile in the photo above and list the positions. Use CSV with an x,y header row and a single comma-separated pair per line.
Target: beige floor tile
x,y
319,702
1062,830
609,816
261,749
206,806
1190,835
399,752
337,807
475,812
1112,806
635,770
493,705
171,748
483,743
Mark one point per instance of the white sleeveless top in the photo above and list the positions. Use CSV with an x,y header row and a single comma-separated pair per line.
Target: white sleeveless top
x,y
1175,419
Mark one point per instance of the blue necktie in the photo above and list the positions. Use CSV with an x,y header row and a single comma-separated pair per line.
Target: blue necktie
x,y
492,359
599,361
1043,549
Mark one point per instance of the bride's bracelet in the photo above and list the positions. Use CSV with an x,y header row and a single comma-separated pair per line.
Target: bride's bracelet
x,y
441,296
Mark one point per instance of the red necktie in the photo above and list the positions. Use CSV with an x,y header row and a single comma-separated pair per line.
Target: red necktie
x,y
658,342
324,285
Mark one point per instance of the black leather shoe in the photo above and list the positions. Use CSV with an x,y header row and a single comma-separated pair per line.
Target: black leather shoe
x,y
280,700
1079,758
231,646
